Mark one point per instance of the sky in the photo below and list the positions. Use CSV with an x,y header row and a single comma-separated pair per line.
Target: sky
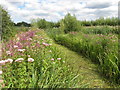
x,y
54,10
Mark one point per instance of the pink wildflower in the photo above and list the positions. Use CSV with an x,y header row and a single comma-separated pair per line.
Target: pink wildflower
x,y
52,59
2,62
15,46
23,38
19,44
1,72
1,81
33,46
27,44
8,52
58,58
21,50
19,60
29,39
8,60
45,44
28,55
30,59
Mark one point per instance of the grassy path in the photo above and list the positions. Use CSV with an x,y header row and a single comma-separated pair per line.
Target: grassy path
x,y
85,68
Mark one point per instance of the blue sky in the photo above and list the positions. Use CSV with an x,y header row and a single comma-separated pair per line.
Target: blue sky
x,y
54,10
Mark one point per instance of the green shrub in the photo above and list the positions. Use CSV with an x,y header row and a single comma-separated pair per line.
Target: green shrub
x,y
69,23
7,24
42,23
39,23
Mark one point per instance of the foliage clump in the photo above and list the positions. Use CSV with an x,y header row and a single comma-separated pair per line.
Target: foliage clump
x,y
6,24
42,24
25,24
70,23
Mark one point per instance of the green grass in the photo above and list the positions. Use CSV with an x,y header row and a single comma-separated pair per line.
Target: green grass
x,y
88,70
100,30
101,49
71,71
42,72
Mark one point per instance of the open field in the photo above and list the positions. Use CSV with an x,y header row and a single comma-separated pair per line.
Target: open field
x,y
66,54
50,57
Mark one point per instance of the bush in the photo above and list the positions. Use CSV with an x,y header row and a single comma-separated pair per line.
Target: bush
x,y
69,23
42,24
7,24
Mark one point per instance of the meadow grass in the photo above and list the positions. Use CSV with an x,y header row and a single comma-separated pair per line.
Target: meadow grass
x,y
31,60
101,49
87,69
100,30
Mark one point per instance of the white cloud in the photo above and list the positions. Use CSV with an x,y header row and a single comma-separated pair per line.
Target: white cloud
x,y
53,10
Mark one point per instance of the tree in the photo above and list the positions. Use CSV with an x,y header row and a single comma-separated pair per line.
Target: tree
x,y
23,24
42,23
6,24
69,23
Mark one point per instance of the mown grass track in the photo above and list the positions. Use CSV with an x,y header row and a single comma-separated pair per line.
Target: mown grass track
x,y
87,69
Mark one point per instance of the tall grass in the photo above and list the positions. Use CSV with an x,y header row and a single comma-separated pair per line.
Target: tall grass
x,y
101,49
97,43
100,30
31,60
